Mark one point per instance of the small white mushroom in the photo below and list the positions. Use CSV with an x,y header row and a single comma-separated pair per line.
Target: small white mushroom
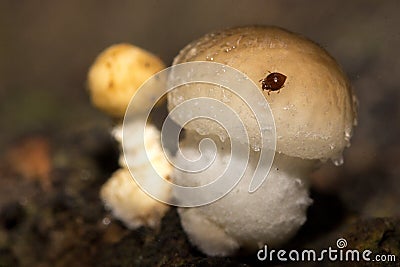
x,y
314,114
113,79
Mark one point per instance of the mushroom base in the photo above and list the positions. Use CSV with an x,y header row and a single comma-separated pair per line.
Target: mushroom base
x,y
122,195
240,220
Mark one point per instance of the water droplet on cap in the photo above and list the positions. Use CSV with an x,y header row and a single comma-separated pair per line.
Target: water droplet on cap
x,y
106,221
337,161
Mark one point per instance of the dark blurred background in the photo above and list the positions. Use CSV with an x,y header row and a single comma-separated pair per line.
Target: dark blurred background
x,y
46,48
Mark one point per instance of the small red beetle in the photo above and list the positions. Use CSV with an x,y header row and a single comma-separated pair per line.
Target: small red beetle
x,y
273,82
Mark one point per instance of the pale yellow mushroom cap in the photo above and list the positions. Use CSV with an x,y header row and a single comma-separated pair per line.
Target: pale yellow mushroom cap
x,y
315,110
117,73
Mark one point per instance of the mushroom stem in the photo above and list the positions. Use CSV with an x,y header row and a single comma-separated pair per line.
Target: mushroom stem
x,y
271,215
122,195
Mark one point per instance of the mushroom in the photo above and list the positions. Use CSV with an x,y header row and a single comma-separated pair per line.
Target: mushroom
x,y
117,73
314,110
239,220
122,195
115,76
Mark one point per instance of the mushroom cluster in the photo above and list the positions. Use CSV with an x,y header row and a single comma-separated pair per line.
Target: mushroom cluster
x,y
314,112
114,77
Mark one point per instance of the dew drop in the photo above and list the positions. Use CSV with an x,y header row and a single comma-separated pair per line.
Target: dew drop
x,y
347,135
225,98
256,148
106,221
337,161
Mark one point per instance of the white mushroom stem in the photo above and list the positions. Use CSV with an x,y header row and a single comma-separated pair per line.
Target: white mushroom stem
x,y
244,220
122,195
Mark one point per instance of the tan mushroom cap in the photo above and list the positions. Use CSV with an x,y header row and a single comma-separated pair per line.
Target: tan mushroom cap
x,y
315,110
117,73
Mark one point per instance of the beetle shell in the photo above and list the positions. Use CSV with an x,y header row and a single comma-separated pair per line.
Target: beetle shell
x,y
273,82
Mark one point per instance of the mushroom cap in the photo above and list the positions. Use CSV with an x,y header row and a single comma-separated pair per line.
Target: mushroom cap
x,y
314,111
116,75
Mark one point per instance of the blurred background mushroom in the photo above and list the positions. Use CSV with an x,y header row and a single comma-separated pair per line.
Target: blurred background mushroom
x,y
45,52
